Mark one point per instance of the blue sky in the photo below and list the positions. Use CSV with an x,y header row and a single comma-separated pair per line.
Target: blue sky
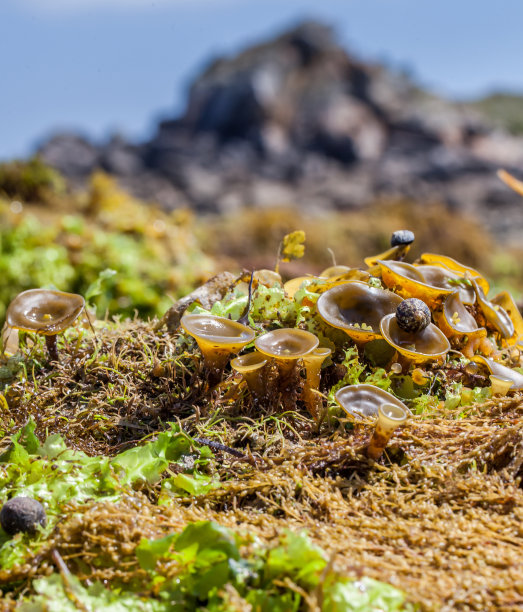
x,y
117,65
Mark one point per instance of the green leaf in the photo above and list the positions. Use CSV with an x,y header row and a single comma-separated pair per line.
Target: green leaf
x,y
96,288
150,551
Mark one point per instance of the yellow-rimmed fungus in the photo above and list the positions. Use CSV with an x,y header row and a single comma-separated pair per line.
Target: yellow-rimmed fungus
x,y
426,345
45,312
217,339
500,385
363,401
357,309
390,417
501,371
495,315
313,362
251,367
286,346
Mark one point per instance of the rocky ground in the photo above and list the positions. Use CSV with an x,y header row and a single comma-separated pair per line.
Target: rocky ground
x,y
299,121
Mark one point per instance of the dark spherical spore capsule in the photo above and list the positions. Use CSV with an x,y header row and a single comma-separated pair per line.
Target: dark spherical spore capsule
x,y
22,514
401,237
412,315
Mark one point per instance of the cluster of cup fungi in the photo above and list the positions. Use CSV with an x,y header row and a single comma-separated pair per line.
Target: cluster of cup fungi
x,y
411,313
414,313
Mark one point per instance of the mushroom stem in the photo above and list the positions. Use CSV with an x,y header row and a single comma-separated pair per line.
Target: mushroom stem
x,y
215,361
390,416
251,366
52,349
313,362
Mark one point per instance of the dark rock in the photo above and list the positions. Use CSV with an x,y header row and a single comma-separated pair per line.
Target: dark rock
x,y
22,514
300,120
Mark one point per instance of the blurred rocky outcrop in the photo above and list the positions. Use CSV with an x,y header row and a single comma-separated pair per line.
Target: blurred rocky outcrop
x,y
298,120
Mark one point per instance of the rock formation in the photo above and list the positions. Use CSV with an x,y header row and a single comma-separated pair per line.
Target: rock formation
x,y
299,121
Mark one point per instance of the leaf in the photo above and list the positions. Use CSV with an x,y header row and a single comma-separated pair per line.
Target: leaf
x,y
209,536
365,595
293,245
96,288
149,552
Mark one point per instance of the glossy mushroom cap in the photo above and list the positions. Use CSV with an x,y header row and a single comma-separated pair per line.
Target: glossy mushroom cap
x,y
217,333
390,416
445,279
428,283
426,345
496,316
456,320
506,301
250,362
501,371
251,366
287,343
451,264
357,309
44,311
365,400
334,271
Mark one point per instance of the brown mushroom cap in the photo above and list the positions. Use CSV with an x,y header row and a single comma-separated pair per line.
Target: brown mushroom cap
x,y
250,362
497,316
408,281
430,343
365,400
217,332
443,278
354,304
501,371
456,320
44,311
337,270
287,343
455,266
506,302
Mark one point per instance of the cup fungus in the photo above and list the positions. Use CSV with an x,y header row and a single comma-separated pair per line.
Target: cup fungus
x,y
313,362
443,278
455,266
217,338
408,281
390,417
286,346
494,314
364,400
501,371
251,367
357,309
334,271
506,302
424,345
499,385
46,312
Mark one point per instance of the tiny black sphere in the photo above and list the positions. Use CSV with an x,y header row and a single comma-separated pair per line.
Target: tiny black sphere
x,y
401,237
412,315
22,514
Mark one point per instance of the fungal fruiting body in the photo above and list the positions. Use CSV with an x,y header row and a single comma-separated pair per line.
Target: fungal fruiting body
x,y
45,312
357,309
217,338
313,362
390,417
251,367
